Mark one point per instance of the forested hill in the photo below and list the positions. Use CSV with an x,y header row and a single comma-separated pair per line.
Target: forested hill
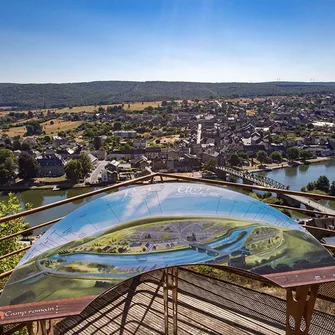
x,y
108,92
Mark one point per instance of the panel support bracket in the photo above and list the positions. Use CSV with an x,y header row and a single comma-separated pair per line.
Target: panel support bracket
x,y
170,281
300,305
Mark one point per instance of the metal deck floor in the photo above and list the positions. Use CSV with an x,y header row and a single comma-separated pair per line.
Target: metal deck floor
x,y
205,306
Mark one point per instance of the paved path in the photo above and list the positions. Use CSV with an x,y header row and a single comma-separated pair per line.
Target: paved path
x,y
313,204
268,182
220,105
94,177
199,133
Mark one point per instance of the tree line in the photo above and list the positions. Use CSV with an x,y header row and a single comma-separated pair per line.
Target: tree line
x,y
109,92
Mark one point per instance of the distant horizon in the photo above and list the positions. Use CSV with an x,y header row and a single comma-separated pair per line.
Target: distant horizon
x,y
170,81
207,41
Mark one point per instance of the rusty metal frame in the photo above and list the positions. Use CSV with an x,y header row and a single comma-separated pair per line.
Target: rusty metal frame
x,y
300,305
170,281
41,327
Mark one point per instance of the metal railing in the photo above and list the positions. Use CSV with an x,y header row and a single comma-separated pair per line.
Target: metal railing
x,y
163,177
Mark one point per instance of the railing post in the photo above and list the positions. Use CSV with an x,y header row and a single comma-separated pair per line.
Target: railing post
x,y
170,281
166,300
42,327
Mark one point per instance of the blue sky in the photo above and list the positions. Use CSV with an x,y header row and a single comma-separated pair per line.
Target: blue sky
x,y
175,40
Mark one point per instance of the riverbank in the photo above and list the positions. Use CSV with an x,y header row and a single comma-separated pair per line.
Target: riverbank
x,y
284,165
18,187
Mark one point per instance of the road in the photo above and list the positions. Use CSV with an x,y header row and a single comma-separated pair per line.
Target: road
x,y
313,204
199,133
267,182
96,173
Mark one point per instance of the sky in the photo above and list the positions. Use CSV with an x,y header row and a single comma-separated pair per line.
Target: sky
x,y
174,40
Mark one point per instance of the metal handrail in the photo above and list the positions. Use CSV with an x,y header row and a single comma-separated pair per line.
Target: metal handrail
x,y
6,274
22,232
15,252
324,230
167,175
250,187
302,210
77,197
151,178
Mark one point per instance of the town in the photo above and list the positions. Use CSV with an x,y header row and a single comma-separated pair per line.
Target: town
x,y
107,144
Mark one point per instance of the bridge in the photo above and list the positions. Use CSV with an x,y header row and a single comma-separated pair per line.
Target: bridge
x,y
268,182
206,248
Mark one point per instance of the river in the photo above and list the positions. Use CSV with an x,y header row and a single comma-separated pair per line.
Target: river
x,y
295,177
39,198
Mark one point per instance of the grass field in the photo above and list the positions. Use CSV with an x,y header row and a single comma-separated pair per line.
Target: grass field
x,y
15,131
60,125
164,139
250,112
51,179
94,108
47,127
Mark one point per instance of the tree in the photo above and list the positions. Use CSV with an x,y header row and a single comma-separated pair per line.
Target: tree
x,y
8,142
332,188
11,206
305,154
243,155
97,142
47,139
85,162
4,154
234,159
16,145
210,165
7,166
74,170
276,157
5,175
322,184
117,126
25,146
310,186
10,165
33,128
261,156
292,153
28,166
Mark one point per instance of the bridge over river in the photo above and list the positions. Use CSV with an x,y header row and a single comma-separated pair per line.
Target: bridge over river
x,y
268,182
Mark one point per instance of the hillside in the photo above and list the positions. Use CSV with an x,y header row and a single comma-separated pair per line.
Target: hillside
x,y
107,92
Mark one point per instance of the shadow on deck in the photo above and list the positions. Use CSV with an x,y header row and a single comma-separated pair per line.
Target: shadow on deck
x,y
205,306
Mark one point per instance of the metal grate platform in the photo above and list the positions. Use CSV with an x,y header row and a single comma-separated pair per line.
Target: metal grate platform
x,y
205,306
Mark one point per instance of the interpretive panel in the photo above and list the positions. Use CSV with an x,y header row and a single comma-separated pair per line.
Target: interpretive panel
x,y
144,228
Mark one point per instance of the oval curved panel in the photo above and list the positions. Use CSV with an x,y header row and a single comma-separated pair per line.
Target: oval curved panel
x,y
144,228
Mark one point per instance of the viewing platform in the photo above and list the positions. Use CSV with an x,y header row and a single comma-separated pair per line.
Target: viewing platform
x,y
160,294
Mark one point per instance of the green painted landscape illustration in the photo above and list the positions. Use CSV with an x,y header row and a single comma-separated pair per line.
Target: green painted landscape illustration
x,y
90,265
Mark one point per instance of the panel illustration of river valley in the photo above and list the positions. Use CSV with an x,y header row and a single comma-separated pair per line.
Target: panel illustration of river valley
x,y
144,228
